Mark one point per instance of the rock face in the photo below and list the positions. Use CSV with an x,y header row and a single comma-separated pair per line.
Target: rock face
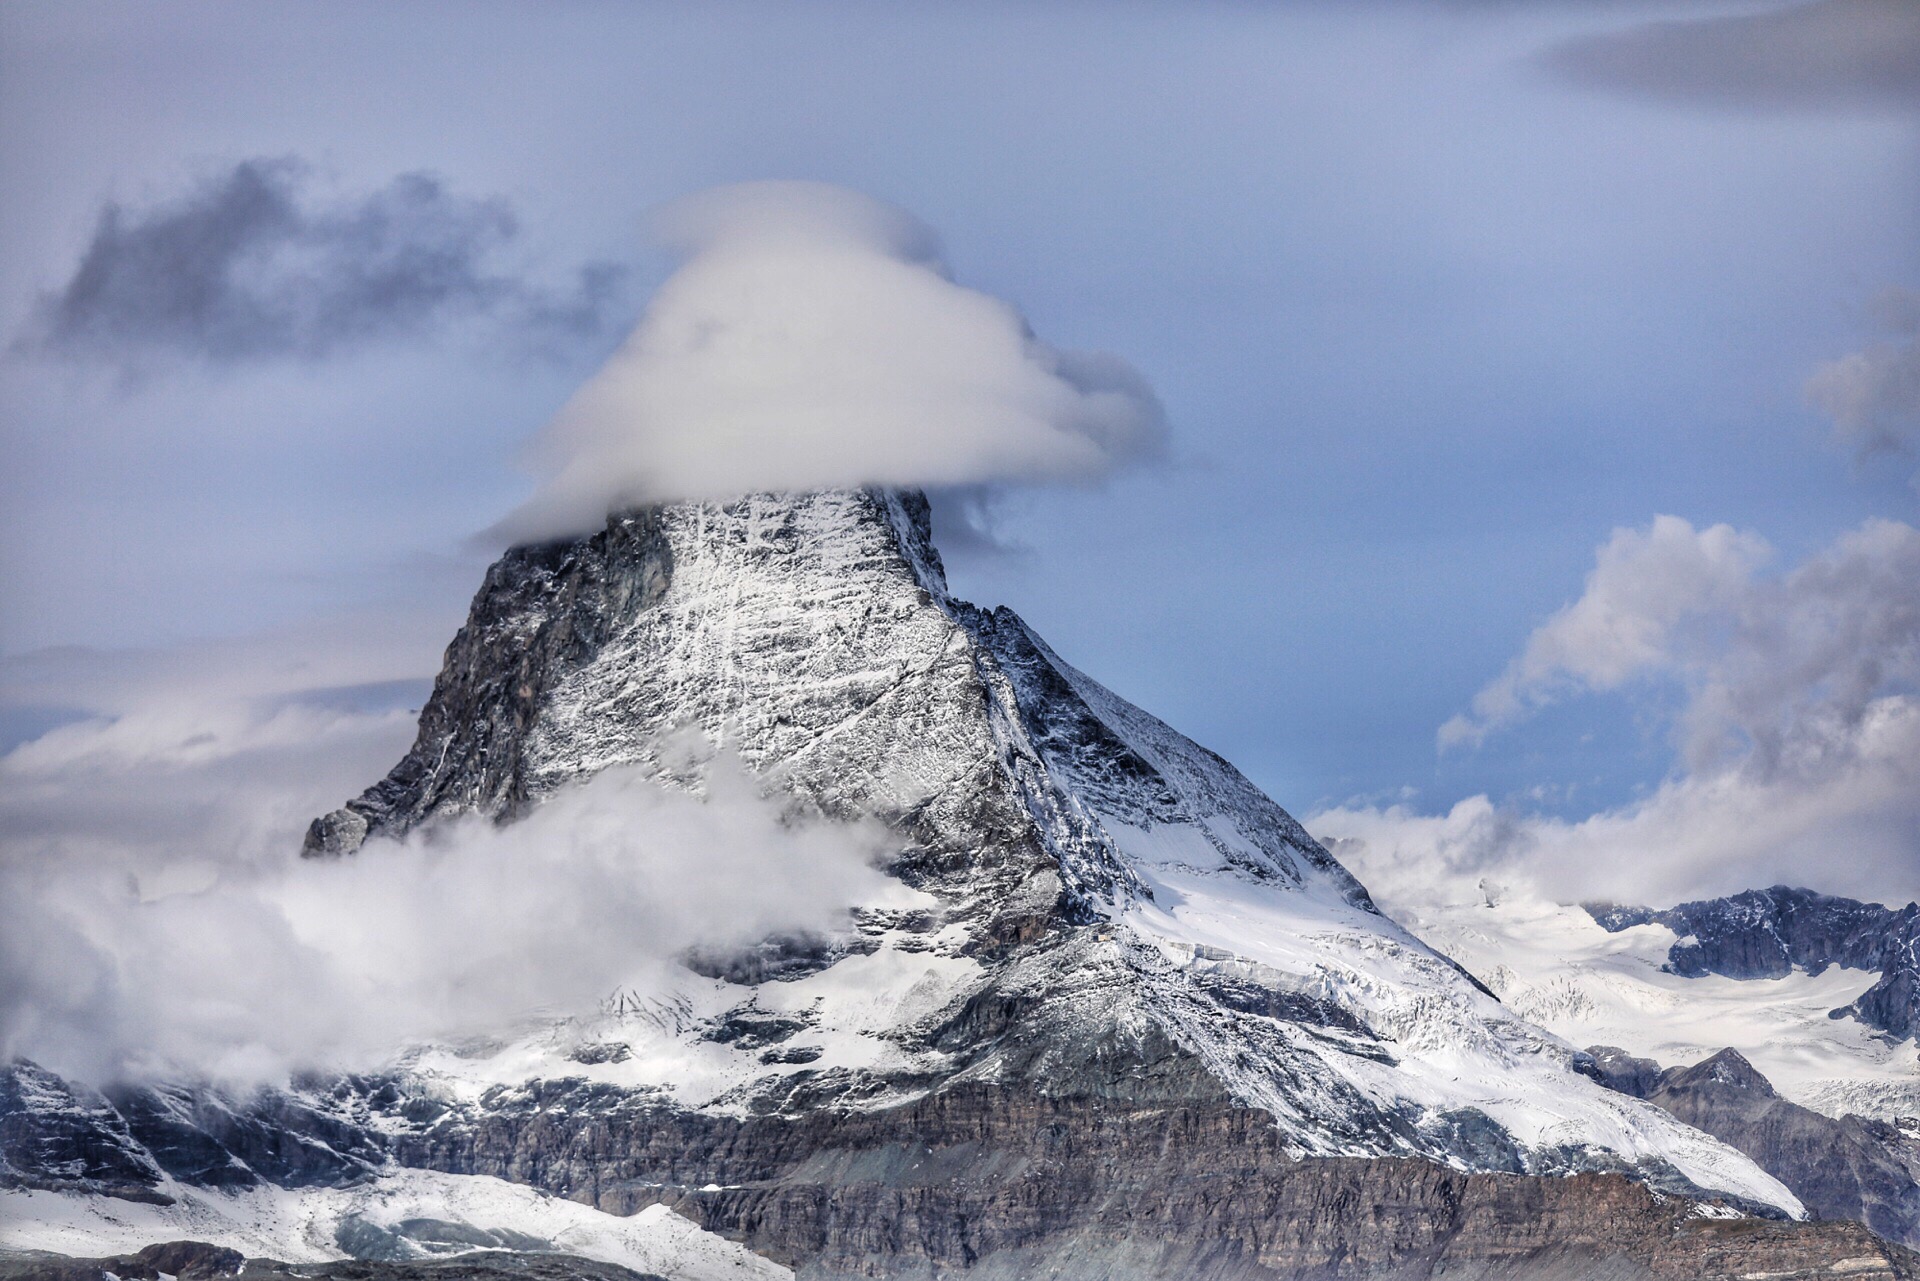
x,y
55,1135
1851,1168
1767,933
1125,1016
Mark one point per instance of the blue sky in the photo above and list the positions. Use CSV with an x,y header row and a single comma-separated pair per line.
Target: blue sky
x,y
1434,306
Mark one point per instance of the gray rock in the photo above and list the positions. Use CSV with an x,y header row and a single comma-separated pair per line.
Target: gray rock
x,y
1768,933
1852,1168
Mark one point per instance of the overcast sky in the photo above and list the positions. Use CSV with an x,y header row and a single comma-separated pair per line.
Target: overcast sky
x,y
1445,304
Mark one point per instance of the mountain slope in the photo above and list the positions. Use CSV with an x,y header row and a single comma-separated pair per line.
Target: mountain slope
x,y
1770,933
1602,975
1847,1168
1115,1012
1088,874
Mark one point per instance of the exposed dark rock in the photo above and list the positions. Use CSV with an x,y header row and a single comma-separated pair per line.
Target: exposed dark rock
x,y
1617,1070
777,959
208,1138
181,1260
542,612
753,1029
1768,933
1851,1168
56,1135
793,1054
602,1052
997,1183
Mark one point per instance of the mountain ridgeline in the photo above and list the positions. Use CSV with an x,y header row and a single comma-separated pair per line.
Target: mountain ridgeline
x,y
1768,933
1125,1017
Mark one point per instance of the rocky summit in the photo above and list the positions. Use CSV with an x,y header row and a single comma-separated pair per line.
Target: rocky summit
x,y
1120,1016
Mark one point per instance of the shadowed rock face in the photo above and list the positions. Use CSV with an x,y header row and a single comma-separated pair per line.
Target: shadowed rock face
x,y
56,1135
1851,1168
1004,1183
1007,1183
1762,934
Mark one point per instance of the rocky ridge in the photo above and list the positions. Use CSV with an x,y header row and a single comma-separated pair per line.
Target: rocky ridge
x,y
1850,1167
1768,933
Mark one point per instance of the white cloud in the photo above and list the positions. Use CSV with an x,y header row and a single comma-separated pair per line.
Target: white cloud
x,y
812,338
1873,395
1647,588
155,916
1797,744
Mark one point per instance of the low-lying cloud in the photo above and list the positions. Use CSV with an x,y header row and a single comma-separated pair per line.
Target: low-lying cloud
x,y
1873,395
1797,741
810,338
250,265
1820,55
155,918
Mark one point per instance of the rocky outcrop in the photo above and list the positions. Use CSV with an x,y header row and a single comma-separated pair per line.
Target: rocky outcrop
x,y
541,613
179,1260
1768,933
60,1136
1850,1168
1003,1182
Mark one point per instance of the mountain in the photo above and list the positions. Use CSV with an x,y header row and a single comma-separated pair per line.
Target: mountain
x,y
1848,1167
1769,933
1119,1015
1608,975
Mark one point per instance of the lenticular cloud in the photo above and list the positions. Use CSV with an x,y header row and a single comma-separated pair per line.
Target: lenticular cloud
x,y
812,338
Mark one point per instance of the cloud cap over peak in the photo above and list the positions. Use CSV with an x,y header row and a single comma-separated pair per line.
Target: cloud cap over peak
x,y
812,338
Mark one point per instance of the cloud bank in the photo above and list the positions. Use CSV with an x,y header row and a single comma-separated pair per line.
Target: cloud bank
x,y
1797,743
1821,55
155,918
249,266
810,338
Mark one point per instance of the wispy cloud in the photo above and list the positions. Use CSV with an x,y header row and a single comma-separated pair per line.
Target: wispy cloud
x,y
1650,596
250,264
155,916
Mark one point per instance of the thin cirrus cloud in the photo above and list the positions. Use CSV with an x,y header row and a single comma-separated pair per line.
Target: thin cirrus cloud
x,y
810,338
1797,739
1814,56
250,265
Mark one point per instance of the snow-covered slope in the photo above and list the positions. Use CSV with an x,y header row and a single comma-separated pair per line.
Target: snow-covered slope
x,y
1557,967
409,1214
